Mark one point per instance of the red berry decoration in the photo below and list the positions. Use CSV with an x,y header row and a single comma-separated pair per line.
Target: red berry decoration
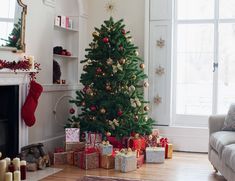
x,y
98,70
123,31
119,113
93,108
105,39
72,111
121,48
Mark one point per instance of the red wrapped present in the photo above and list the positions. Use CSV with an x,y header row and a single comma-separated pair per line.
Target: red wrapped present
x,y
164,143
93,138
116,143
75,158
137,143
59,150
107,161
140,161
89,159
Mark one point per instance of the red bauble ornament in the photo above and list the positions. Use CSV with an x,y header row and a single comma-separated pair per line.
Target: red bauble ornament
x,y
119,113
1,65
85,89
63,52
123,31
98,70
105,39
72,111
93,108
121,48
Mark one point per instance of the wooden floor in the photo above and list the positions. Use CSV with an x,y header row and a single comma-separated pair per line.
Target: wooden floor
x,y
183,167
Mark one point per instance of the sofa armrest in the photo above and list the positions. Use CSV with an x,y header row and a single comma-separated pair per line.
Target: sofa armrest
x,y
216,123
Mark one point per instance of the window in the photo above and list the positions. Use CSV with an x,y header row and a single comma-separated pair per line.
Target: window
x,y
7,13
204,59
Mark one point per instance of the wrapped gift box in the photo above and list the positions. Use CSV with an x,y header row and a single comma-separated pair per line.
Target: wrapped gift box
x,y
72,135
106,148
80,146
75,158
70,158
93,138
169,150
140,161
155,155
60,158
88,159
126,162
137,143
107,161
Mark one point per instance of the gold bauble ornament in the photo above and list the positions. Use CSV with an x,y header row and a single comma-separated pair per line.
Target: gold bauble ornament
x,y
137,135
95,33
103,74
122,61
134,77
142,66
146,118
136,53
102,111
84,67
136,117
108,88
109,61
108,134
146,108
91,94
146,84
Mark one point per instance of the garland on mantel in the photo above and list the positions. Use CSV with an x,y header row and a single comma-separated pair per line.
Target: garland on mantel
x,y
23,65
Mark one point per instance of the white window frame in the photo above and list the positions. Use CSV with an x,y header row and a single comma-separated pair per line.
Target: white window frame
x,y
195,120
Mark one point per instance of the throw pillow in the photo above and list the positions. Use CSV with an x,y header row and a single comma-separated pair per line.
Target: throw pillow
x,y
229,123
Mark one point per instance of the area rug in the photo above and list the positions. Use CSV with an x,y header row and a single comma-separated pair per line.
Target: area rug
x,y
102,178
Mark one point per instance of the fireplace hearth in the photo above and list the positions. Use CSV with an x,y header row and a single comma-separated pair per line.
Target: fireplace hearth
x,y
9,120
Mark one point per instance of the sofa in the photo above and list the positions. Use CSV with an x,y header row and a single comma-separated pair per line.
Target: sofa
x,y
221,147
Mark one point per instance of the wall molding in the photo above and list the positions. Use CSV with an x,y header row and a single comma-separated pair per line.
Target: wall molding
x,y
60,87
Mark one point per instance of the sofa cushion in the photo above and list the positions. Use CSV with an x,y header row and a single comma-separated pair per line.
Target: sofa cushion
x,y
229,123
220,139
228,156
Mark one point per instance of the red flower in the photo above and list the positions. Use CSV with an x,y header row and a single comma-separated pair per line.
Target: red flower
x,y
93,108
119,113
98,70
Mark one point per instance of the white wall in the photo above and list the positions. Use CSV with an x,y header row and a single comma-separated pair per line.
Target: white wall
x,y
132,11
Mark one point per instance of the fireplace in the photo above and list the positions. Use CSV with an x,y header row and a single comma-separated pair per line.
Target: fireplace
x,y
13,131
9,120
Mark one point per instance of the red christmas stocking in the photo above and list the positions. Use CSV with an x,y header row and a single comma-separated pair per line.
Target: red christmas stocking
x,y
31,103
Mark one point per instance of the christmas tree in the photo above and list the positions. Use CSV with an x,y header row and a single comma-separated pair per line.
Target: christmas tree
x,y
112,100
14,39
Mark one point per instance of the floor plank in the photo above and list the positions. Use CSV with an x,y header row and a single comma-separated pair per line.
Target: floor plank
x,y
183,167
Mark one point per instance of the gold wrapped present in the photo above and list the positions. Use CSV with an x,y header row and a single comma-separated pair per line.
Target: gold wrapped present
x,y
79,146
170,151
107,161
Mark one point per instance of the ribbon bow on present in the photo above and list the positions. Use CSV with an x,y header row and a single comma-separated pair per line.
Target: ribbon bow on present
x,y
163,142
90,150
105,143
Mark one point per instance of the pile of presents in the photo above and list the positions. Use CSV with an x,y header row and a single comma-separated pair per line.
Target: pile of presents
x,y
123,155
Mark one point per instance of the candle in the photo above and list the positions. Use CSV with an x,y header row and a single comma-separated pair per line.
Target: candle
x,y
11,168
8,176
8,162
23,170
16,175
31,61
16,163
2,169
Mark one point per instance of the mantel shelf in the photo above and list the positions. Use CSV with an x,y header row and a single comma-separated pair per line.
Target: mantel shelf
x,y
65,29
7,71
64,56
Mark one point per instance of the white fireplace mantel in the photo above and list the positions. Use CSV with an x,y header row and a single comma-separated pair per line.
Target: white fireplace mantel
x,y
20,78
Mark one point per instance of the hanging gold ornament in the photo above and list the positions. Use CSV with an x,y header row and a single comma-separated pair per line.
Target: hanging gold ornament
x,y
109,61
122,61
93,118
142,66
103,74
84,67
102,111
108,88
146,84
95,33
136,53
134,77
137,135
146,108
136,117
108,134
146,118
